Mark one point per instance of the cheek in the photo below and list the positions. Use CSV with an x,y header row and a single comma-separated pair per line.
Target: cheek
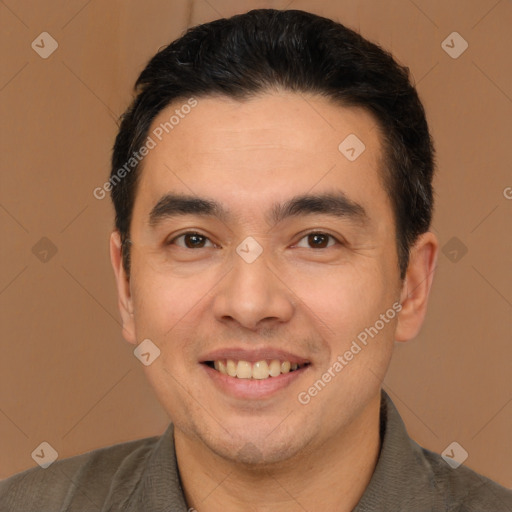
x,y
343,299
164,303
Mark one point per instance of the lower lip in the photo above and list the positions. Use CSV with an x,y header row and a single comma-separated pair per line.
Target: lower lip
x,y
252,388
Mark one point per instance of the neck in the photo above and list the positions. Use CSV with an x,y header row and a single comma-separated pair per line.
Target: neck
x,y
332,477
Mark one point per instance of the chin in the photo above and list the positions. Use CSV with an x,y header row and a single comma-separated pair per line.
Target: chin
x,y
257,451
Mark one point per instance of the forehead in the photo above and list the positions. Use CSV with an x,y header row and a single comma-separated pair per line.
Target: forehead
x,y
267,148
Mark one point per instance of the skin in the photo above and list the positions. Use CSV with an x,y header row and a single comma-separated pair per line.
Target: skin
x,y
297,297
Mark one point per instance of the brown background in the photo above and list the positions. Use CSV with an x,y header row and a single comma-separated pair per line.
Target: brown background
x,y
67,376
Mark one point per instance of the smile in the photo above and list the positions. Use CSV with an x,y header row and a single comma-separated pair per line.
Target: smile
x,y
258,370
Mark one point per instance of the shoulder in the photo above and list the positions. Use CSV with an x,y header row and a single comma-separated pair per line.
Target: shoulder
x,y
410,477
464,490
82,482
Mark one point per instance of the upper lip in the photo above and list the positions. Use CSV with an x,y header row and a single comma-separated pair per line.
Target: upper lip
x,y
252,356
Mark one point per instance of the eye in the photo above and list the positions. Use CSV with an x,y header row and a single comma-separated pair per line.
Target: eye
x,y
317,240
191,240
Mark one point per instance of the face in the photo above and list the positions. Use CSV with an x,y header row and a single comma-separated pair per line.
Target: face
x,y
284,263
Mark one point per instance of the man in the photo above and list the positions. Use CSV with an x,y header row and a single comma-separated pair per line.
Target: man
x,y
272,182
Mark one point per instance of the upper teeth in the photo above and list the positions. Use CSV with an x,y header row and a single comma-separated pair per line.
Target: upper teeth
x,y
258,370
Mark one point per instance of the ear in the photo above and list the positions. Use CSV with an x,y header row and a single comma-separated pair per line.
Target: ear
x,y
416,286
125,303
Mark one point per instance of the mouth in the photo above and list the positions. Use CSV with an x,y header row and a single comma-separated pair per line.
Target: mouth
x,y
259,370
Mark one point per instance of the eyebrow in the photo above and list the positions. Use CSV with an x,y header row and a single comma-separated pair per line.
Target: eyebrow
x,y
333,204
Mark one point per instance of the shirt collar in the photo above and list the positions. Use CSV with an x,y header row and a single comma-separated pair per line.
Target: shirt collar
x,y
400,476
159,489
402,473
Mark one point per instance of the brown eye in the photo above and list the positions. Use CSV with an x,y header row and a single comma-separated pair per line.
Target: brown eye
x,y
190,240
317,241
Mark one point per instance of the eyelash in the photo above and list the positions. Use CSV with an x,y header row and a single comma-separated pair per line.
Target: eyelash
x,y
171,242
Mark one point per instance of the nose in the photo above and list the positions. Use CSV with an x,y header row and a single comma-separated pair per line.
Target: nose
x,y
253,295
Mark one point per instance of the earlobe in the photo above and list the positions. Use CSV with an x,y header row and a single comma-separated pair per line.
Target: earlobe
x,y
416,286
125,302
